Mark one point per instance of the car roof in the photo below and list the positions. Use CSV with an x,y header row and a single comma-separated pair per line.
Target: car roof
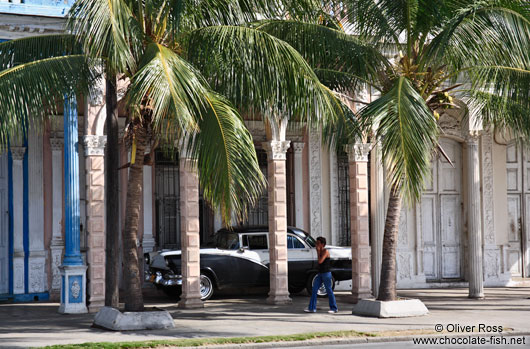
x,y
257,229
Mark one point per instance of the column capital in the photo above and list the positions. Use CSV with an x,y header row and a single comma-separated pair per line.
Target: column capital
x,y
56,143
276,150
298,147
94,145
18,153
473,136
358,152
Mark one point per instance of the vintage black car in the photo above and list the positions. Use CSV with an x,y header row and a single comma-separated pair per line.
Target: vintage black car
x,y
239,258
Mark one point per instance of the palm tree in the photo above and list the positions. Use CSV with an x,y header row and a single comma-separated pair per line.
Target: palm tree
x,y
478,51
184,61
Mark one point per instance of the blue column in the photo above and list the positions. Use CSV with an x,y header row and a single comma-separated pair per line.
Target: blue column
x,y
72,254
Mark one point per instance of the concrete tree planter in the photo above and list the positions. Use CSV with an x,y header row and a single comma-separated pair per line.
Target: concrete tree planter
x,y
113,319
398,308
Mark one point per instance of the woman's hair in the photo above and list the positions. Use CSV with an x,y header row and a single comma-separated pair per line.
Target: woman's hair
x,y
322,240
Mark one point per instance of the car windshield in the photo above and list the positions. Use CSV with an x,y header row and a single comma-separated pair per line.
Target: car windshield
x,y
310,241
227,241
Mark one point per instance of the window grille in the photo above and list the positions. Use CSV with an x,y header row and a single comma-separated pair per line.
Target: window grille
x,y
167,197
259,213
344,200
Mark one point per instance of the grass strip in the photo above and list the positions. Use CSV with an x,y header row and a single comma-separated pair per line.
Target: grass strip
x,y
199,342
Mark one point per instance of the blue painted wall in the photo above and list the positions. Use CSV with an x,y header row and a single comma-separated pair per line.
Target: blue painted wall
x,y
46,8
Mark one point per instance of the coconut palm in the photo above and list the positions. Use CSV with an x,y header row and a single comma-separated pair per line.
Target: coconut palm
x,y
189,64
478,51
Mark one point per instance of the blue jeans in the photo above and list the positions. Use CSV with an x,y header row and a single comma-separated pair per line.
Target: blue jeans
x,y
326,279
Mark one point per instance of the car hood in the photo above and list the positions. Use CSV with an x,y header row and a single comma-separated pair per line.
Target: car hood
x,y
339,252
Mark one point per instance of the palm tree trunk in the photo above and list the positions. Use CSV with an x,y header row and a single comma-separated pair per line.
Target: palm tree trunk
x,y
131,270
112,196
387,287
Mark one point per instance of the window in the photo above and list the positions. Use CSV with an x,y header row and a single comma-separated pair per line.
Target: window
x,y
293,242
255,242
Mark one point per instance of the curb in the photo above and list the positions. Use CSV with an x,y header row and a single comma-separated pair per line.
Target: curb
x,y
355,340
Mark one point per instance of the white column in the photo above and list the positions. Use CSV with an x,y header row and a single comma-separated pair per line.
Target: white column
x,y
17,154
298,148
476,282
315,183
37,255
377,215
57,244
148,240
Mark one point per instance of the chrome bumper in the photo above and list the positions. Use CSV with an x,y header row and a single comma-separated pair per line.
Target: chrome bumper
x,y
166,279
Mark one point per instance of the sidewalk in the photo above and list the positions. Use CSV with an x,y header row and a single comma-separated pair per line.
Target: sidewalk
x,y
39,324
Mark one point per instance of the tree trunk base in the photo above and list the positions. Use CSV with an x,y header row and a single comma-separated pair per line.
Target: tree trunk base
x,y
390,309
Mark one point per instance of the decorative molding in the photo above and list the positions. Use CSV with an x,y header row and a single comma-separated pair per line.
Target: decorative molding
x,y
57,143
277,150
487,188
18,153
334,196
94,145
358,152
315,183
298,147
473,137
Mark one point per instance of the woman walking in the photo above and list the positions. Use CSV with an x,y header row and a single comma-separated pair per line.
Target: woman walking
x,y
323,276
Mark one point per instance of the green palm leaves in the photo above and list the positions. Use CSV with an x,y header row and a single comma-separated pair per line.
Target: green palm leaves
x,y
408,133
35,73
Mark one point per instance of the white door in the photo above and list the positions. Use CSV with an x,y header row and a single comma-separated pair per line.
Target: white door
x,y
4,226
441,216
515,191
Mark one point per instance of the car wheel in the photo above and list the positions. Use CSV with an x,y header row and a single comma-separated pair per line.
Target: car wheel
x,y
322,290
206,287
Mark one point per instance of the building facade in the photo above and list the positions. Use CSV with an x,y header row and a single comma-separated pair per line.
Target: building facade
x,y
482,195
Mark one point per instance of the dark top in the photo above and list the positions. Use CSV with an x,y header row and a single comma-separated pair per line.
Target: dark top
x,y
324,266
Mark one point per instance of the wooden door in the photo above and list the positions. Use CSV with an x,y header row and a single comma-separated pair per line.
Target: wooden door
x,y
4,226
514,186
441,216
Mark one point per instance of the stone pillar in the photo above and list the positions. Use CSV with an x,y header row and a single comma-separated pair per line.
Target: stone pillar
x,y
190,234
148,240
95,203
37,255
360,232
298,148
474,219
57,244
377,215
73,272
277,190
17,154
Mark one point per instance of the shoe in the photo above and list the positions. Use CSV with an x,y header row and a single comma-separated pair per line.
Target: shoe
x,y
310,311
333,311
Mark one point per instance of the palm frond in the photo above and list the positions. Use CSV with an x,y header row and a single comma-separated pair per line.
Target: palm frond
x,y
495,32
29,92
171,87
226,158
25,50
259,73
329,50
107,29
408,132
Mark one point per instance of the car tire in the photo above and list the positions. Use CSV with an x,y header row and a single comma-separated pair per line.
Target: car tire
x,y
322,291
206,287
